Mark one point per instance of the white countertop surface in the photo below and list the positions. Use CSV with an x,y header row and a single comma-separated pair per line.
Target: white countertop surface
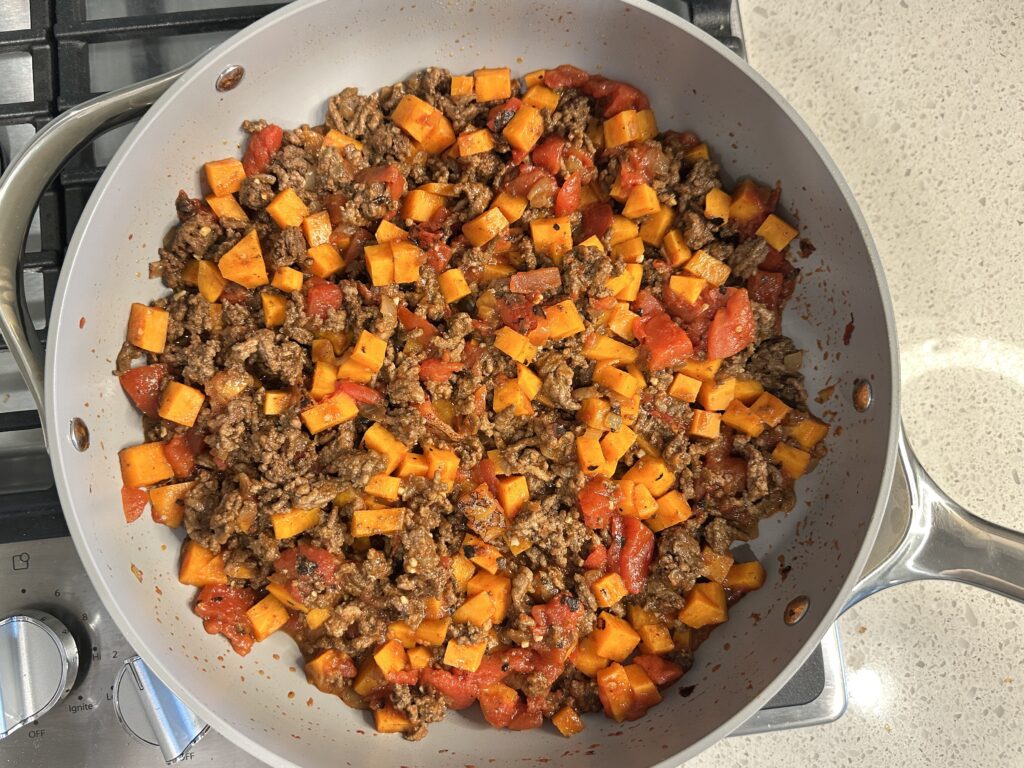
x,y
920,103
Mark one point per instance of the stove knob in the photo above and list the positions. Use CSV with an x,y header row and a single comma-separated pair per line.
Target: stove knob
x,y
151,713
38,667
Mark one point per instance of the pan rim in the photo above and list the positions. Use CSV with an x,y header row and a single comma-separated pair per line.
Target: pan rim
x,y
201,69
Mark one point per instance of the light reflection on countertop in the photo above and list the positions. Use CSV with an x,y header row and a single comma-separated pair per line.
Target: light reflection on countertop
x,y
921,110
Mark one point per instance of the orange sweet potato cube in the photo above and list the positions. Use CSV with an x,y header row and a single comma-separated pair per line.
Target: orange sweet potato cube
x,y
748,390
287,208
406,258
656,226
420,205
492,84
388,719
497,586
224,176
391,657
209,280
414,116
808,432
609,589
167,502
226,207
267,616
334,410
144,464
770,409
485,227
793,461
705,605
621,129
317,228
745,577
525,128
377,522
243,264
324,260
180,403
287,280
615,691
433,631
705,424
147,328
716,395
380,263
199,566
475,142
716,565
645,692
742,419
568,722
294,521
466,656
614,638
462,86
275,307
672,508
586,659
703,264
478,610
541,97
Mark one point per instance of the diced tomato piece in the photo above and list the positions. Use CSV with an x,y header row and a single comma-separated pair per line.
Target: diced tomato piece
x,y
562,613
548,153
457,686
385,174
661,671
335,205
615,541
498,710
597,558
646,303
565,76
235,294
733,327
306,561
598,498
568,198
134,501
597,218
525,179
576,160
222,609
433,369
525,719
686,139
695,317
357,238
535,281
359,392
403,677
614,96
639,165
144,385
498,117
516,311
765,288
484,472
665,343
261,148
637,553
411,321
321,297
180,454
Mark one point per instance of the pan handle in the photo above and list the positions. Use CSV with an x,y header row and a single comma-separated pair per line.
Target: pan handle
x,y
24,182
945,541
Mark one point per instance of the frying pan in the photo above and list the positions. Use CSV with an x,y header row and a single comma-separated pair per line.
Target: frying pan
x,y
294,59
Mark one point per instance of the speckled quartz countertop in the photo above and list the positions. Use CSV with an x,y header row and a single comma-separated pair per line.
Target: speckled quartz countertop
x,y
920,104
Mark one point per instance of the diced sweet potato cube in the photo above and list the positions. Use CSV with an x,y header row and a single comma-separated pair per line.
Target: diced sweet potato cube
x,y
594,413
480,552
276,402
699,152
627,285
388,719
716,396
478,610
589,453
615,691
552,236
653,473
622,128
485,227
284,595
244,264
369,351
672,508
564,320
391,657
475,142
199,566
615,444
656,639
413,465
528,381
378,438
808,432
614,638
687,287
541,97
462,85
389,233
144,464
465,656
534,78
703,264
317,228
684,388
793,461
586,659
316,617
745,577
770,409
267,616
453,285
656,226
287,209
369,679
294,521
568,722
777,233
419,658
275,308
513,493
433,631
167,502
415,116
420,205
407,261
209,280
339,140
324,260
352,371
441,136
705,605
147,328
497,585
492,84
630,251
620,321
645,692
616,380
674,248
384,487
180,403
224,176
287,279
716,565
334,410
515,345
748,390
702,370
380,263
705,424
325,376
226,207
647,125
622,229
609,589
511,207
742,419
642,201
525,128
716,204
377,522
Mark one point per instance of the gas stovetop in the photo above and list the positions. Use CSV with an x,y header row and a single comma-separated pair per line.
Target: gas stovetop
x,y
73,691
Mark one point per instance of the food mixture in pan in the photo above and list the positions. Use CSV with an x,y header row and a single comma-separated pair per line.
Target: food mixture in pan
x,y
470,390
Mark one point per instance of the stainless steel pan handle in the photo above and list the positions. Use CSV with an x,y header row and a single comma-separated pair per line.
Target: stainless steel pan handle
x,y
23,184
945,541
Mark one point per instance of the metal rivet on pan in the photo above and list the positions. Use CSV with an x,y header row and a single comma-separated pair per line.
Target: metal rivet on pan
x,y
79,435
796,610
230,77
862,395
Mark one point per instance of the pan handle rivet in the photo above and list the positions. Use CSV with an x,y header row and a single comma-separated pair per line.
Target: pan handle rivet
x,y
796,610
230,77
79,435
863,397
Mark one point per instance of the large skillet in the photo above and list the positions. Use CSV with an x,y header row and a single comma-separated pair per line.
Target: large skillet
x,y
294,59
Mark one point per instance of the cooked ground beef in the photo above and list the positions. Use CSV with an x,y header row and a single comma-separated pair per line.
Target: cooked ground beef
x,y
454,447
